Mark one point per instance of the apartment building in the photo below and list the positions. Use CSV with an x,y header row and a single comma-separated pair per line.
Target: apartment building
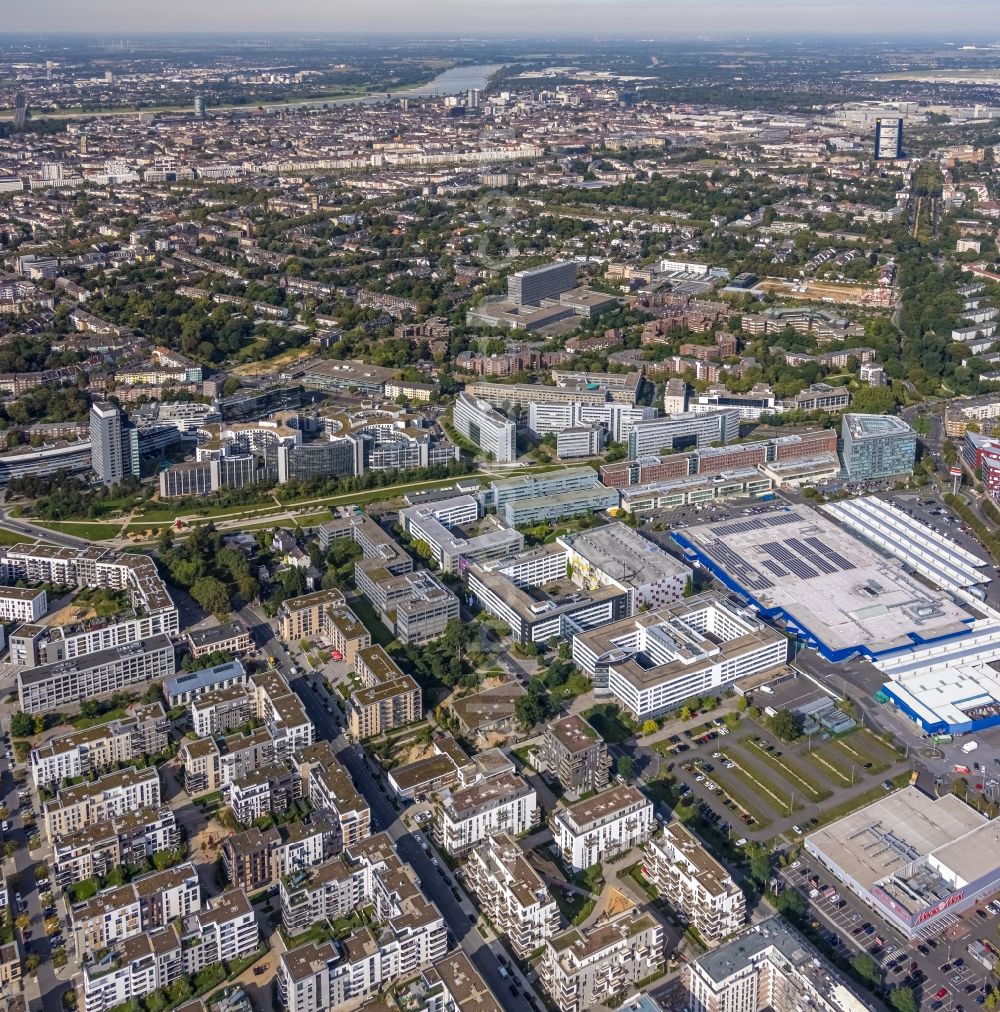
x,y
676,863
213,713
344,974
769,966
651,663
224,930
487,428
575,754
65,683
22,604
256,860
389,699
148,902
270,789
112,795
80,753
282,713
122,841
212,763
231,637
604,826
302,617
582,968
453,984
329,787
184,688
512,894
466,815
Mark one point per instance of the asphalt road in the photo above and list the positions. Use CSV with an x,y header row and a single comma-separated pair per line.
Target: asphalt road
x,y
435,880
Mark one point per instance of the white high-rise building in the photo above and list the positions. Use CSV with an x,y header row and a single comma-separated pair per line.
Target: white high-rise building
x,y
486,427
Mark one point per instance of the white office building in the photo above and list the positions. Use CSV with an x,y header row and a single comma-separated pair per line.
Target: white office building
x,y
483,425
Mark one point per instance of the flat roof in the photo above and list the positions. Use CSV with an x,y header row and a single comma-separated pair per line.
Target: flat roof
x,y
624,556
204,678
886,836
829,586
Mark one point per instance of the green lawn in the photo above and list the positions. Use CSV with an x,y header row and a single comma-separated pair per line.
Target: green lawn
x,y
776,796
79,529
832,763
834,812
788,770
606,719
860,751
82,723
13,538
362,608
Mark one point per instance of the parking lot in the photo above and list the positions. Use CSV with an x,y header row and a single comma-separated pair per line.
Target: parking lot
x,y
755,787
932,965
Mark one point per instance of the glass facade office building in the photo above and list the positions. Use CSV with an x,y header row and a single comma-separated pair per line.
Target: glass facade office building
x,y
877,446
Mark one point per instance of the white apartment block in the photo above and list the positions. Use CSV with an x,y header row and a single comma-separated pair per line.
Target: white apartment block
x,y
486,427
603,827
147,902
651,663
512,894
346,973
65,683
618,419
217,712
112,795
770,966
694,883
97,748
225,929
22,604
329,787
583,968
133,969
502,803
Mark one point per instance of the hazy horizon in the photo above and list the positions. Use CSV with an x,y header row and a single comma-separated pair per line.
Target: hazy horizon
x,y
455,18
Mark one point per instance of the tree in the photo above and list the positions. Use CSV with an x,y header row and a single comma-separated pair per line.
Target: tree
x,y
741,704
22,725
903,1000
867,969
786,725
32,961
760,866
625,767
22,921
39,723
650,727
211,594
790,903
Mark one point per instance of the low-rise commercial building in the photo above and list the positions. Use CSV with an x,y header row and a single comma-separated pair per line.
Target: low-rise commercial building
x,y
184,688
600,828
677,864
229,637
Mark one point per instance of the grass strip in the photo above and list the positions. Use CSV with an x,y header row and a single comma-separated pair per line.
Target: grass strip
x,y
788,770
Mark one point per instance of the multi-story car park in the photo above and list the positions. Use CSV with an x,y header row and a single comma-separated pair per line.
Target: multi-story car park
x,y
651,663
916,861
770,966
600,828
676,863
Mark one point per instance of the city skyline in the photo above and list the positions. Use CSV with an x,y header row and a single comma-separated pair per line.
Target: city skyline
x,y
623,18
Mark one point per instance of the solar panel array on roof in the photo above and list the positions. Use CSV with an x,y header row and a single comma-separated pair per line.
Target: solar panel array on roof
x,y
790,561
844,564
812,555
774,569
757,524
741,570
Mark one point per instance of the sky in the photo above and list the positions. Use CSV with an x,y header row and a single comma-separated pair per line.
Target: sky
x,y
622,18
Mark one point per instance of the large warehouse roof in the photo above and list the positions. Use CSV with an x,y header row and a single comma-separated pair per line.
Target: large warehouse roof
x,y
831,588
877,841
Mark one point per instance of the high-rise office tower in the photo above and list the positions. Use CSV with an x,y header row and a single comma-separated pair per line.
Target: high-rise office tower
x,y
114,444
20,109
199,106
528,288
888,138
